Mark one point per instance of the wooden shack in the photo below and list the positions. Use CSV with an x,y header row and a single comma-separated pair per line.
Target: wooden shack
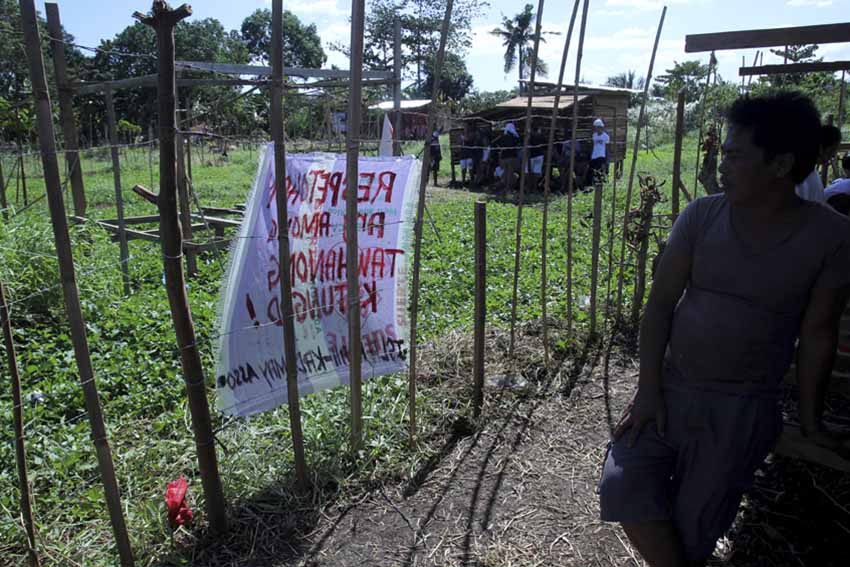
x,y
608,103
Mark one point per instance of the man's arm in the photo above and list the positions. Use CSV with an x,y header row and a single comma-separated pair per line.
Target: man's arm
x,y
816,352
674,270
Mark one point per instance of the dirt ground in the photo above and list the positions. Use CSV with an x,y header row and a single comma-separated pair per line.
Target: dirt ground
x,y
518,489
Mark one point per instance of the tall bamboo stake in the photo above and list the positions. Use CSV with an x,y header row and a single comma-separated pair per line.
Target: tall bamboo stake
x,y
612,221
66,109
163,20
712,64
570,180
841,98
594,257
547,182
633,167
116,178
480,305
289,346
397,86
355,106
420,217
522,174
23,181
47,146
18,419
185,212
677,151
4,204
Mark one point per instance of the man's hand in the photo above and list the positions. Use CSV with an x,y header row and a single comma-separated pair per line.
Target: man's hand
x,y
646,406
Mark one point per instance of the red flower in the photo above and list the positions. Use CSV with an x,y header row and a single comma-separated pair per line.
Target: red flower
x,y
179,513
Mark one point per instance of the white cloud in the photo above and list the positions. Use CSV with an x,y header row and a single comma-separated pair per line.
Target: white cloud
x,y
815,3
319,8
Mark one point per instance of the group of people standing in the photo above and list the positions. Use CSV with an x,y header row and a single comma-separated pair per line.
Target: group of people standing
x,y
495,158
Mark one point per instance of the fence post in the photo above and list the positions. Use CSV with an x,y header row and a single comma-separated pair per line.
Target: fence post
x,y
397,86
162,20
116,178
594,258
547,185
18,419
677,152
355,108
66,109
289,345
420,217
824,168
23,181
525,163
47,146
480,305
4,204
185,206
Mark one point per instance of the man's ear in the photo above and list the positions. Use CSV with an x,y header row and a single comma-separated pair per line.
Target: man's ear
x,y
782,164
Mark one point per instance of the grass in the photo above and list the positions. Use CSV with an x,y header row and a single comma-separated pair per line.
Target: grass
x,y
138,374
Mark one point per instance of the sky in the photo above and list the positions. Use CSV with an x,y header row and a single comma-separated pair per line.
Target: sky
x,y
619,33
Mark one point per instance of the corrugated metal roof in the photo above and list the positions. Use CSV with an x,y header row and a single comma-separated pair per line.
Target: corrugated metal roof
x,y
405,104
541,102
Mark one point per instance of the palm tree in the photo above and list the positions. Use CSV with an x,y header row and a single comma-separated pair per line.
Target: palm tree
x,y
518,37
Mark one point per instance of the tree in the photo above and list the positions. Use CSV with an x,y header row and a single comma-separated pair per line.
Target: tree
x,y
455,80
517,35
302,46
626,80
688,75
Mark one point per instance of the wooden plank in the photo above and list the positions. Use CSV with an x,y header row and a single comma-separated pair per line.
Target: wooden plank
x,y
819,67
85,88
793,444
777,37
222,211
200,248
217,221
263,71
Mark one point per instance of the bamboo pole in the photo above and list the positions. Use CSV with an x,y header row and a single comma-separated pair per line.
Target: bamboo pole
x,y
841,101
353,126
185,205
18,419
633,167
47,146
547,182
570,181
23,181
397,86
712,64
116,178
188,140
677,151
480,306
163,20
611,224
594,258
4,204
420,216
524,164
289,346
66,109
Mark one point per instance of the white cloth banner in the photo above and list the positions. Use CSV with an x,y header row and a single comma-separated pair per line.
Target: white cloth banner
x,y
251,370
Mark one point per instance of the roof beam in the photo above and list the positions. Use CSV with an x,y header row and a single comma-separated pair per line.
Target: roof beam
x,y
823,66
260,70
778,37
86,88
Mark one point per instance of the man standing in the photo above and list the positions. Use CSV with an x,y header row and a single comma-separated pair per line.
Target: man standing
x,y
745,273
599,158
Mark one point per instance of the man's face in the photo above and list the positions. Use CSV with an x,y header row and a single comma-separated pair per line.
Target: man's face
x,y
745,175
598,129
827,153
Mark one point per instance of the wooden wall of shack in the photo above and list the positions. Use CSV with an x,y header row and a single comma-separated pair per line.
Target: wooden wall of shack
x,y
610,106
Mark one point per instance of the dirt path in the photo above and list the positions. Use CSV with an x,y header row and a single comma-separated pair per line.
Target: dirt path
x,y
520,491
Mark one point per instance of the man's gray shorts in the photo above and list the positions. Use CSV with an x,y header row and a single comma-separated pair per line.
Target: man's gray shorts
x,y
697,473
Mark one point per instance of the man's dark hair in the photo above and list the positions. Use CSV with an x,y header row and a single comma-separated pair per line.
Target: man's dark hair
x,y
845,161
782,122
829,136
